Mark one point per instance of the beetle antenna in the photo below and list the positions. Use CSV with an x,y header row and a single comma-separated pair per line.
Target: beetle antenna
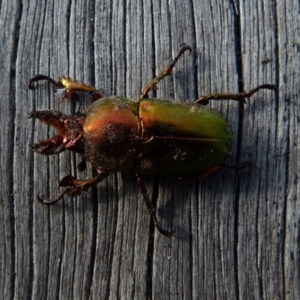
x,y
40,77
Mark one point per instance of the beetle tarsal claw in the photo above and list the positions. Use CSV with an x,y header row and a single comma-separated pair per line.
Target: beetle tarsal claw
x,y
184,47
50,201
146,136
159,226
164,231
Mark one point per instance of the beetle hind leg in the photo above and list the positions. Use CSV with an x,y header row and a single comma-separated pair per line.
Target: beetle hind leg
x,y
242,165
234,96
195,176
150,207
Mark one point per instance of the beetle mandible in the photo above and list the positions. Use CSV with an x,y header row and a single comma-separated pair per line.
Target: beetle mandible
x,y
148,136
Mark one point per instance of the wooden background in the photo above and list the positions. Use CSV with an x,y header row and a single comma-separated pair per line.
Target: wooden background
x,y
237,234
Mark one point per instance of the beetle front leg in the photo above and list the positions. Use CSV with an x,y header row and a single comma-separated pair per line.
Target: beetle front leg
x,y
66,85
150,206
165,72
234,96
74,187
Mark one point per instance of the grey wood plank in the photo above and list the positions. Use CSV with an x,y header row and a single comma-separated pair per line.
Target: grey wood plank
x,y
8,67
263,193
236,232
288,143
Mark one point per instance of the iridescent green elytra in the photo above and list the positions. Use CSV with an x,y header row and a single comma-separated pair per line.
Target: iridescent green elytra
x,y
155,136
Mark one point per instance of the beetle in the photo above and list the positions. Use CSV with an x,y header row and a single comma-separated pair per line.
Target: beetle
x,y
148,136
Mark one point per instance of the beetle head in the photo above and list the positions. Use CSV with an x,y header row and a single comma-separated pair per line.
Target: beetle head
x,y
69,132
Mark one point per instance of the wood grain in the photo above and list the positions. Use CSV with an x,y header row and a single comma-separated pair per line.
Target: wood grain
x,y
236,232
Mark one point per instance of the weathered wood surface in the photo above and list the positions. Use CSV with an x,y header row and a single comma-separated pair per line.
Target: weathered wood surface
x,y
236,233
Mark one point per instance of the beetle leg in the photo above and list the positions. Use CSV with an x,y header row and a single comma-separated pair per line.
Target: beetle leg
x,y
71,85
242,165
150,206
76,187
165,72
66,85
234,96
196,176
73,187
193,177
82,165
51,200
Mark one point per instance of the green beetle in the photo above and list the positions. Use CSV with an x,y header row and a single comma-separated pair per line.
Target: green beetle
x,y
149,136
